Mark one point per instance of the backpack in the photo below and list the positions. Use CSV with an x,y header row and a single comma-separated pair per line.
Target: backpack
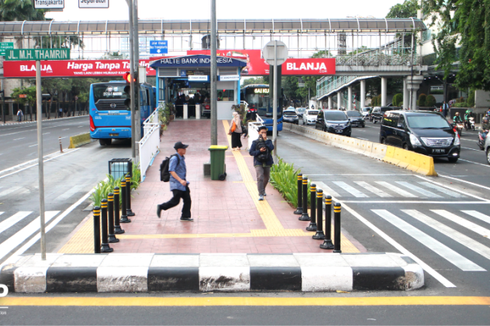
x,y
263,156
164,173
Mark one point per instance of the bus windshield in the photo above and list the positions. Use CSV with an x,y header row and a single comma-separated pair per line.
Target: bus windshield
x,y
109,91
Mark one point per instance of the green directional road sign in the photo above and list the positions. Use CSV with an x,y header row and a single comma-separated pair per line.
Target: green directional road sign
x,y
5,46
37,54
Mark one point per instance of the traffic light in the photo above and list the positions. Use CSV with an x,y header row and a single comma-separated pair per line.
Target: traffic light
x,y
127,92
127,77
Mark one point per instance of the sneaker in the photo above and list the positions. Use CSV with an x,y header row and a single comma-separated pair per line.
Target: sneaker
x,y
261,197
159,210
186,219
265,194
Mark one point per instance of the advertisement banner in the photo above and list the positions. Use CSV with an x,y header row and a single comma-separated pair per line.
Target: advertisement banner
x,y
256,66
49,4
93,3
71,68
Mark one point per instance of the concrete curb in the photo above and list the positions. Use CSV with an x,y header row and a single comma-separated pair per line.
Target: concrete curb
x,y
212,272
418,163
80,140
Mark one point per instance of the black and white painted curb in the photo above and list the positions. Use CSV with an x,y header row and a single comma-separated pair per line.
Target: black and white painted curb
x,y
211,272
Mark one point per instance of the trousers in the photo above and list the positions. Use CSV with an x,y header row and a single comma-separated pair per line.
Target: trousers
x,y
263,175
175,200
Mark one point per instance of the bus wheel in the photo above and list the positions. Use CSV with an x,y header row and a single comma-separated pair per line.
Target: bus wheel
x,y
105,142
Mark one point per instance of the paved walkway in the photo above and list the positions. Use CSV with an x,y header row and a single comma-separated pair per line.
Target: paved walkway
x,y
228,218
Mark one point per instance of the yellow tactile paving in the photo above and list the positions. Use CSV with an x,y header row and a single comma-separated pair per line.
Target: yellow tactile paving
x,y
82,241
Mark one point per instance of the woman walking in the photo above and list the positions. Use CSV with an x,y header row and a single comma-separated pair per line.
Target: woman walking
x,y
236,132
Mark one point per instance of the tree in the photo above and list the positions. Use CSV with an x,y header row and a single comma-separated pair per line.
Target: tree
x,y
463,24
406,9
18,10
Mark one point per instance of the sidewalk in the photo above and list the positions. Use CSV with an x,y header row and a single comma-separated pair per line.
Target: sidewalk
x,y
235,243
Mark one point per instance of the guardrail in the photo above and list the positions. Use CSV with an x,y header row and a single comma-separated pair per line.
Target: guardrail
x,y
253,130
149,145
412,161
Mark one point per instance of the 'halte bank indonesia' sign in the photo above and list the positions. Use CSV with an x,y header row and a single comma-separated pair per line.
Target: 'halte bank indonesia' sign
x,y
49,4
93,3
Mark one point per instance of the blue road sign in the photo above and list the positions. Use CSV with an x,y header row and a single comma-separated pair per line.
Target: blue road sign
x,y
158,47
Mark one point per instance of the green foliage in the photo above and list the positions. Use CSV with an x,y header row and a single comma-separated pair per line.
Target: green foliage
x,y
29,91
397,99
105,187
257,80
406,9
430,101
421,101
376,101
19,10
284,177
471,98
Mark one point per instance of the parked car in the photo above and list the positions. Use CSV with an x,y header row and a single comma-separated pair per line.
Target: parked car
x,y
356,119
365,112
424,132
300,111
334,121
309,117
290,116
378,111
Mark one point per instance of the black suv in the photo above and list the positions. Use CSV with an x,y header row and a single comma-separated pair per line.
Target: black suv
x,y
378,111
334,121
356,119
424,132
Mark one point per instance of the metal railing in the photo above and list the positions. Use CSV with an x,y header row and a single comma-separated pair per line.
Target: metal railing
x,y
253,130
149,145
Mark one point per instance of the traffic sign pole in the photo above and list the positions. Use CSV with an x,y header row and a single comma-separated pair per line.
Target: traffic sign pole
x,y
274,101
40,157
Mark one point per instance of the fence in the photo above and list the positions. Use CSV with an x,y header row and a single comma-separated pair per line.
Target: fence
x,y
149,145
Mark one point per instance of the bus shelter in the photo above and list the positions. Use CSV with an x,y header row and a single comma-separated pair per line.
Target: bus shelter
x,y
185,81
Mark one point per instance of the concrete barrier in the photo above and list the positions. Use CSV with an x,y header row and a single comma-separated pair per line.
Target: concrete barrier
x,y
79,140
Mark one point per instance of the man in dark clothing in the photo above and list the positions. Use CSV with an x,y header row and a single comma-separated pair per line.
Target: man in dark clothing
x,y
178,183
261,150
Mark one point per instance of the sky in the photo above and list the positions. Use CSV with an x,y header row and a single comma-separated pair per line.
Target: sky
x,y
228,9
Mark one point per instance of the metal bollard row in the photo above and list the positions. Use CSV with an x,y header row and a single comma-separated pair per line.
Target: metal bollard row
x,y
316,213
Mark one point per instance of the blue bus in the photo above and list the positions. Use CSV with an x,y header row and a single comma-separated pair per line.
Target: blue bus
x,y
259,101
109,117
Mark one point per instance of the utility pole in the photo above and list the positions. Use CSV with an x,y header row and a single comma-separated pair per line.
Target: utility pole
x,y
213,78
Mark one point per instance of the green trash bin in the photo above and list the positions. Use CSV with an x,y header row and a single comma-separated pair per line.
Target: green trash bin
x,y
218,162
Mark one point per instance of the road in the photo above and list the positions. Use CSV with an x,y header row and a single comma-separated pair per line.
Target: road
x,y
68,177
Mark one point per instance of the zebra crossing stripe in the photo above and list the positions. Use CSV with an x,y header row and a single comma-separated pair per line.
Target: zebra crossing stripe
x,y
461,221
418,189
4,225
431,243
9,191
478,215
441,189
326,189
451,233
373,189
396,189
11,243
350,189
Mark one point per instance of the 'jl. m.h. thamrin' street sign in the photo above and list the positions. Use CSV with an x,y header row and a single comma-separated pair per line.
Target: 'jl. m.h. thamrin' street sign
x,y
37,54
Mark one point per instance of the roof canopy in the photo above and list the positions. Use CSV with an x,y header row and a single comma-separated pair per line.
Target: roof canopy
x,y
195,61
228,26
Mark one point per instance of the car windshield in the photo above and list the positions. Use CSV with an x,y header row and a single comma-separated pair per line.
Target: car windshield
x,y
287,112
312,112
427,121
353,113
335,116
300,109
366,109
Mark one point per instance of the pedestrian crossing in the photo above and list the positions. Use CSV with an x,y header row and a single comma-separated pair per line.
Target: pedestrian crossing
x,y
421,190
9,243
417,225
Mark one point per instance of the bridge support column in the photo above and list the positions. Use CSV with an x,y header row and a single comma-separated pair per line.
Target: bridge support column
x,y
405,94
339,99
363,94
413,84
330,102
384,83
349,97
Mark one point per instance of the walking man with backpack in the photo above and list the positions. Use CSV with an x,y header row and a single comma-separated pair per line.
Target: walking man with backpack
x,y
261,150
178,183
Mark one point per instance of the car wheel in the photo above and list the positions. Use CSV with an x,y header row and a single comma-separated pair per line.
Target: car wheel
x,y
363,125
383,141
405,146
374,121
455,159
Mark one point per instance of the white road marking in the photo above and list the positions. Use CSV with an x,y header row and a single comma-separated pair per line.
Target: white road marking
x,y
11,243
461,221
350,189
472,149
418,189
441,189
431,243
326,189
396,189
455,189
33,145
450,233
478,215
19,138
69,193
9,191
486,165
373,189
65,129
12,220
46,133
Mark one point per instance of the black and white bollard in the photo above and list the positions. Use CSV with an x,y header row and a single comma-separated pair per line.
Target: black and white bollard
x,y
97,229
129,212
336,216
104,247
117,227
299,209
124,207
312,226
110,210
327,244
304,216
319,216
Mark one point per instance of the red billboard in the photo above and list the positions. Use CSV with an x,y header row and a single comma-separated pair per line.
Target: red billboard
x,y
71,68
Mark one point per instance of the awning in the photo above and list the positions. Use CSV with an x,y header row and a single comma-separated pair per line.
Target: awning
x,y
196,61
